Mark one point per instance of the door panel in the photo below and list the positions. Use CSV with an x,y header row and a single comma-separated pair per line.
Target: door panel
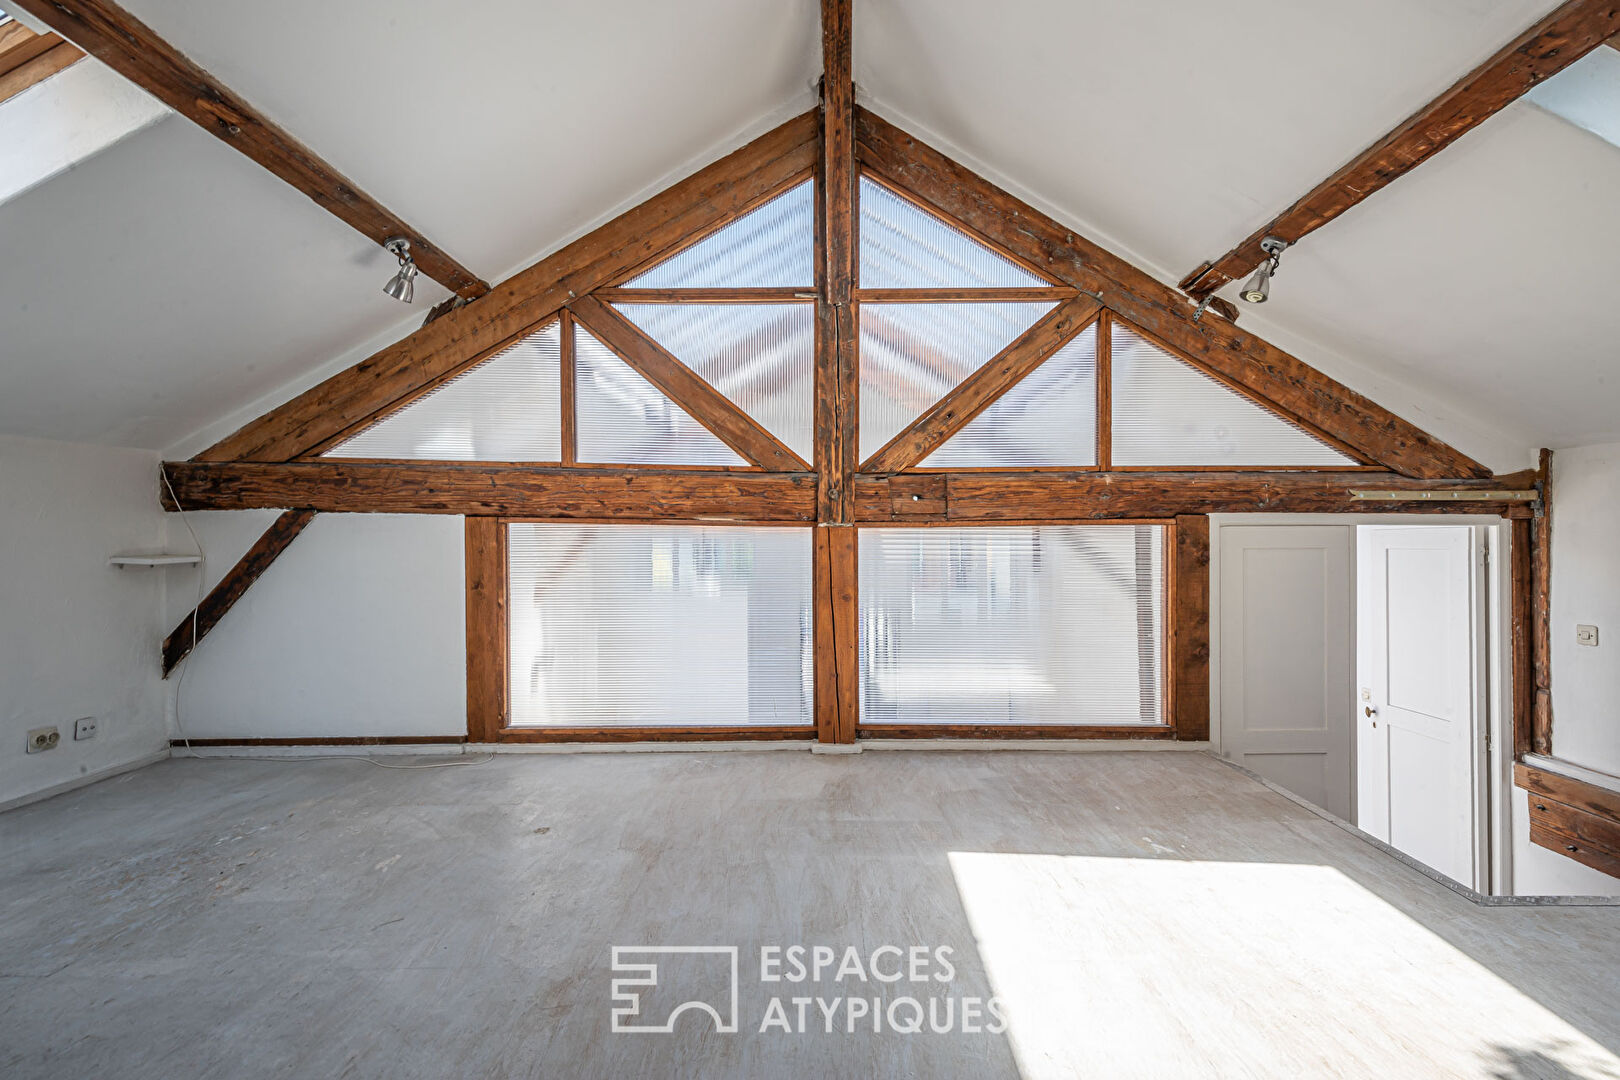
x,y
1285,657
1420,671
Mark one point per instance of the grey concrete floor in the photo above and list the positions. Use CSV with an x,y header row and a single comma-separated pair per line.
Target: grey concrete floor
x,y
1134,914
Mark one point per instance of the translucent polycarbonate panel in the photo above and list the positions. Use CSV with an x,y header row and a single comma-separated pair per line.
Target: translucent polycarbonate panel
x,y
905,247
659,625
622,419
1049,417
771,246
1167,412
507,408
1055,624
761,356
914,354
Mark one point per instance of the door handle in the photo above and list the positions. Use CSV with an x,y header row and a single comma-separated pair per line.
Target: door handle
x,y
1369,710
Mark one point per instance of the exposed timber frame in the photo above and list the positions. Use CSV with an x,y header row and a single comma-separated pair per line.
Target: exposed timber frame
x,y
275,461
195,626
1559,39
131,48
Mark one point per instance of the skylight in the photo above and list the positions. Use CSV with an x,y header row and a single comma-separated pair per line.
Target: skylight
x,y
1587,94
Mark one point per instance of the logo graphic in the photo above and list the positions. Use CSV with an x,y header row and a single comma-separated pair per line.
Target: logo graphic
x,y
701,977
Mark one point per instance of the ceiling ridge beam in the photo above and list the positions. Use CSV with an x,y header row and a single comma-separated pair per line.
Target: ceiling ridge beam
x,y
685,387
1557,41
1268,372
528,298
131,48
976,393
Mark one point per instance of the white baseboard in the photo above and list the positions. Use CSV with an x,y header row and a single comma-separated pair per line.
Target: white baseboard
x,y
1067,746
86,780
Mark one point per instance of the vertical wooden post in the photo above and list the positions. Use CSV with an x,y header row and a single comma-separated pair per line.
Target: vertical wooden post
x,y
1541,610
1524,664
1105,392
1189,628
837,389
485,554
570,415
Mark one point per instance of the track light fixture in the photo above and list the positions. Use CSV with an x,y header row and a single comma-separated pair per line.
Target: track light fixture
x,y
1258,288
402,286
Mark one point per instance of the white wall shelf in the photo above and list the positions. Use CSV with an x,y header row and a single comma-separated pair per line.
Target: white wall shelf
x,y
143,562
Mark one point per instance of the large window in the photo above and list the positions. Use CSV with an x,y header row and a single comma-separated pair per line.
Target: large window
x,y
659,626
1026,625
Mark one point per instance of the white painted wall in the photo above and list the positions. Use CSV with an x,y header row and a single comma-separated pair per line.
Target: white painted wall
x,y
1586,589
358,629
77,637
1585,680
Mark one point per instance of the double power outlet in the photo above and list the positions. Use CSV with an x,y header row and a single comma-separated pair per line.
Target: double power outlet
x,y
41,739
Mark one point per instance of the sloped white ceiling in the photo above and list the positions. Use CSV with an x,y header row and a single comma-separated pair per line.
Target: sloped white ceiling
x,y
1468,296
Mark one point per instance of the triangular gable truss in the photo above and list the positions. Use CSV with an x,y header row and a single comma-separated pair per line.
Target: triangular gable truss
x,y
770,168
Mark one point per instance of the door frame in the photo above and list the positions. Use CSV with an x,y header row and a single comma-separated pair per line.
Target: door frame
x,y
1493,872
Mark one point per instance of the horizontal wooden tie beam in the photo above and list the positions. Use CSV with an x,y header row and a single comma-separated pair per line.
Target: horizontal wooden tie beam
x,y
982,497
501,490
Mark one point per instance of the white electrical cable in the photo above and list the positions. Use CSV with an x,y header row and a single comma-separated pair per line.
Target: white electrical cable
x,y
202,574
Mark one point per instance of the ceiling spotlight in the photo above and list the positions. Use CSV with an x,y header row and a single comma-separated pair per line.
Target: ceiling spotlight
x,y
402,286
1258,288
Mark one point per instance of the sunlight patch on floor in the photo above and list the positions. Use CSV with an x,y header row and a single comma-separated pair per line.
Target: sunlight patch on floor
x,y
1167,968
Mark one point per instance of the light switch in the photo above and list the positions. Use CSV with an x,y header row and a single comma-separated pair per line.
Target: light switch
x,y
1585,634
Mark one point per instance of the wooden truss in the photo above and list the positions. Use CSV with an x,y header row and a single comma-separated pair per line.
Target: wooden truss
x,y
275,461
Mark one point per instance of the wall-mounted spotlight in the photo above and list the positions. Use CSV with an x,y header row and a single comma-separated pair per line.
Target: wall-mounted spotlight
x,y
402,286
1258,288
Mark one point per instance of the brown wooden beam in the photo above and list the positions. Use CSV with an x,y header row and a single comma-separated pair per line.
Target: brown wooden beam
x,y
1558,40
685,387
980,390
1267,372
500,490
1541,610
837,338
709,197
196,625
1188,625
1524,664
485,558
1086,495
131,48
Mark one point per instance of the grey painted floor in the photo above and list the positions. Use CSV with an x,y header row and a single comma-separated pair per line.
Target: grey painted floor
x,y
1151,915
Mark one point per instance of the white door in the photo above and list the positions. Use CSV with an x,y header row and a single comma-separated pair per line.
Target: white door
x,y
1420,674
1285,657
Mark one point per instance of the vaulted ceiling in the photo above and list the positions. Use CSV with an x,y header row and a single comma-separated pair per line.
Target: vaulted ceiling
x,y
165,290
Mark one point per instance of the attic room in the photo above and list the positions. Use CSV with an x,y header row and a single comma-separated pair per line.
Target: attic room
x,y
843,537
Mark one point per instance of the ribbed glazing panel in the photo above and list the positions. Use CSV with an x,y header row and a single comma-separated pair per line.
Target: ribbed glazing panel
x,y
771,246
659,625
761,356
1055,624
904,247
914,354
507,408
1167,412
623,419
1049,417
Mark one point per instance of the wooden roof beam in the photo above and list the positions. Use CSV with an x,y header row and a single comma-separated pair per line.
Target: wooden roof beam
x,y
1557,41
131,48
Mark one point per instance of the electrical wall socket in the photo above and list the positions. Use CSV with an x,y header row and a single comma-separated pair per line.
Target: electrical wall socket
x,y
41,739
1585,634
84,728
